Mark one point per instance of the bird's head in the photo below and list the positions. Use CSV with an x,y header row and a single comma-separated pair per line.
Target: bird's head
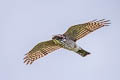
x,y
58,37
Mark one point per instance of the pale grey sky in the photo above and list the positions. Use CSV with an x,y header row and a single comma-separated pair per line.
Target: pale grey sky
x,y
24,23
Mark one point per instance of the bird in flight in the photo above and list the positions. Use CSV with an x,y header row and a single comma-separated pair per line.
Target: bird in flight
x,y
66,41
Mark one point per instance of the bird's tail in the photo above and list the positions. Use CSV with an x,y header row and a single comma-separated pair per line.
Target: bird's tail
x,y
82,52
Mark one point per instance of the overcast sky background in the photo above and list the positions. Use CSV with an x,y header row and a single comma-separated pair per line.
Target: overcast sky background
x,y
24,23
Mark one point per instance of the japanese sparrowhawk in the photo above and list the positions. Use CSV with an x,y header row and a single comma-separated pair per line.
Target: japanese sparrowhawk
x,y
66,41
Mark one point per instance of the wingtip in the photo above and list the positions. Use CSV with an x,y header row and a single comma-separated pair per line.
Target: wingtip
x,y
27,61
104,22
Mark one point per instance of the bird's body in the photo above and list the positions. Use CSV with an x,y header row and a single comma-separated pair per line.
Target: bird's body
x,y
68,44
66,41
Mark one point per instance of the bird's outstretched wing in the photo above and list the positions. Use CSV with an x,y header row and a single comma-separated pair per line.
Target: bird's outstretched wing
x,y
40,50
78,31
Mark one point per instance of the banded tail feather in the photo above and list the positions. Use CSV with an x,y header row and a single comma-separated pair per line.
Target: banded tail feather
x,y
82,52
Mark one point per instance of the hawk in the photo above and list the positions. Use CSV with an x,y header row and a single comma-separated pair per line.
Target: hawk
x,y
66,41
